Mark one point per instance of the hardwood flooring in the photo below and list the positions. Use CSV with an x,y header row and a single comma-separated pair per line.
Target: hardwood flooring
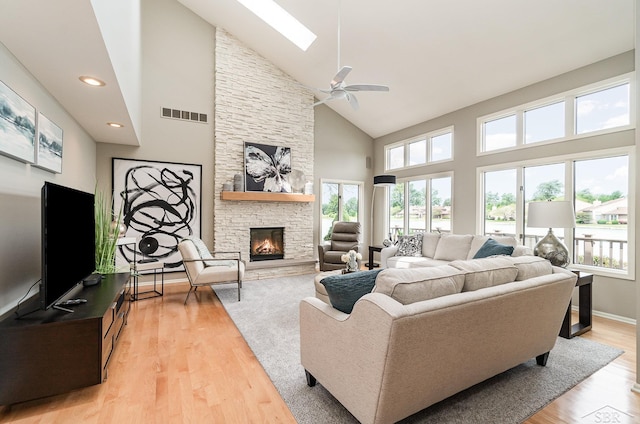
x,y
189,364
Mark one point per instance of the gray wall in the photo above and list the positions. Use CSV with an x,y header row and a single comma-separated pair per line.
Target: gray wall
x,y
20,185
341,152
610,295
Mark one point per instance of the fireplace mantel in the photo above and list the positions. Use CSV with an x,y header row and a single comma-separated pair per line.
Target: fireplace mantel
x,y
266,196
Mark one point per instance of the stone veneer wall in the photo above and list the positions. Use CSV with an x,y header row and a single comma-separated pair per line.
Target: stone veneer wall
x,y
256,102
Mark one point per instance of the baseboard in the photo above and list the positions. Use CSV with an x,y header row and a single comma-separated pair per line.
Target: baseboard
x,y
607,315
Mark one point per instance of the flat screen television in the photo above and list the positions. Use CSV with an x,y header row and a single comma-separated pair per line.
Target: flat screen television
x,y
68,241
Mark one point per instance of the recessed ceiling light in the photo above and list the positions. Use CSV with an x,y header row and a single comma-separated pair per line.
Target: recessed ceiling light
x,y
282,21
115,124
92,81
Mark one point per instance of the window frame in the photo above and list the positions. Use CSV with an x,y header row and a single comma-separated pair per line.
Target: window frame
x,y
569,97
428,146
340,184
428,207
569,184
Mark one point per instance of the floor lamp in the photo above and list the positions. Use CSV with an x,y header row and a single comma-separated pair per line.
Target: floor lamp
x,y
378,181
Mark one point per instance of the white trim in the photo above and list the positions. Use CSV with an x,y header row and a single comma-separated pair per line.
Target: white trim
x,y
569,97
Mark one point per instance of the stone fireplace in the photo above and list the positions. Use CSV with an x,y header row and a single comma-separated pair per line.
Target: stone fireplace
x,y
279,112
266,244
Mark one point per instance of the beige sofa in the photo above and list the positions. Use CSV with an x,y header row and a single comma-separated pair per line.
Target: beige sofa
x,y
440,249
395,354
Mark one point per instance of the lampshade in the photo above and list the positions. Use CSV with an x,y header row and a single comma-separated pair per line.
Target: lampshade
x,y
384,180
551,215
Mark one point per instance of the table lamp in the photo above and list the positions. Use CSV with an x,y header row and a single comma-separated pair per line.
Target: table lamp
x,y
558,214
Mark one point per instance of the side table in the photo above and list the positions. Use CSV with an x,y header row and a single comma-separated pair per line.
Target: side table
x,y
584,308
371,264
147,266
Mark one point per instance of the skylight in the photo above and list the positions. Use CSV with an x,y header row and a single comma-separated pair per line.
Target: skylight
x,y
282,21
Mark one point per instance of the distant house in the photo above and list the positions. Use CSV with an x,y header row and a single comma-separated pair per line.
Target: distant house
x,y
613,210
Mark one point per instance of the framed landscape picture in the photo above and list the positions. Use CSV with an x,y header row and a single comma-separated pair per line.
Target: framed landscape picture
x,y
266,168
49,148
17,126
160,204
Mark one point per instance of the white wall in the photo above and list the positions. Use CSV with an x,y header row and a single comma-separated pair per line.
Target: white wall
x,y
20,185
610,295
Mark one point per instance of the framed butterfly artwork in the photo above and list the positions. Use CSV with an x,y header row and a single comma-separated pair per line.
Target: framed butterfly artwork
x,y
267,168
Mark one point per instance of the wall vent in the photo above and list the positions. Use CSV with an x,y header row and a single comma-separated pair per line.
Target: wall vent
x,y
183,115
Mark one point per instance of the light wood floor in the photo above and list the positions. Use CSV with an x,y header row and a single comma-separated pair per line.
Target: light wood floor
x,y
179,364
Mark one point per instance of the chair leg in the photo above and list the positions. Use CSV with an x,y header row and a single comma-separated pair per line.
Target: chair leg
x,y
188,294
239,287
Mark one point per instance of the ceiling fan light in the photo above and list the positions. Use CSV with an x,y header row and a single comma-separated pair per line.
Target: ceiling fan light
x,y
282,21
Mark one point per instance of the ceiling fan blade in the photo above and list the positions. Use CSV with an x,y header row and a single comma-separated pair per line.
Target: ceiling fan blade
x,y
340,76
320,102
366,87
353,101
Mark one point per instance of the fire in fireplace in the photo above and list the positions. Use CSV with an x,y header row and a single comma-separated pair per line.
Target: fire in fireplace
x,y
266,243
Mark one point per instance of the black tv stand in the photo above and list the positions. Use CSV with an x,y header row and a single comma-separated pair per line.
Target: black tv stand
x,y
50,352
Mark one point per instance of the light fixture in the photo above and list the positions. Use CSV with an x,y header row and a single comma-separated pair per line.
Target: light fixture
x,y
115,124
378,181
282,21
551,215
95,82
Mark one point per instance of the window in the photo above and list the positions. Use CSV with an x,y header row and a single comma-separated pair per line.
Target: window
x,y
602,212
500,133
544,123
603,107
396,157
428,202
598,185
432,147
340,202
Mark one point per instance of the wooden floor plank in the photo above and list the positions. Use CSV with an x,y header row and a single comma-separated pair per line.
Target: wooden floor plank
x,y
177,363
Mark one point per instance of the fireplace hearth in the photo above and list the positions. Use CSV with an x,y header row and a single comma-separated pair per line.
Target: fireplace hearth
x,y
266,243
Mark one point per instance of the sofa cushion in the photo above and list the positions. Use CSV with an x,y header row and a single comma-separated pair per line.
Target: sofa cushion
x,y
418,284
531,266
493,248
429,244
480,240
486,272
413,262
453,246
344,290
410,245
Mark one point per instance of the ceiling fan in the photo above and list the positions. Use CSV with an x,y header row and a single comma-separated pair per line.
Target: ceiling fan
x,y
339,89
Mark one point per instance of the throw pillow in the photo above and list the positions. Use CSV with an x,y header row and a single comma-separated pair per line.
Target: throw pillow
x,y
493,248
410,245
453,246
344,290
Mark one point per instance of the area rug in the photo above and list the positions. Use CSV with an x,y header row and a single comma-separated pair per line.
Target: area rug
x,y
267,317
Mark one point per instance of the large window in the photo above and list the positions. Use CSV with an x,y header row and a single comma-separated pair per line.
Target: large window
x,y
597,186
420,205
603,107
435,146
340,202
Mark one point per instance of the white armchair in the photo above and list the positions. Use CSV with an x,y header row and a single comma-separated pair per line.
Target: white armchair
x,y
205,268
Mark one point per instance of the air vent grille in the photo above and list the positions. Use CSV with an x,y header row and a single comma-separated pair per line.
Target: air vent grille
x,y
183,115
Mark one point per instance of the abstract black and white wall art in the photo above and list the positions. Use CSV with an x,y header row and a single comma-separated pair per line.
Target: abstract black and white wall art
x,y
267,167
49,147
17,126
160,206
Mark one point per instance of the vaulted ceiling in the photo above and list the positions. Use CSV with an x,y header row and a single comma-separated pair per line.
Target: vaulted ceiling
x,y
436,56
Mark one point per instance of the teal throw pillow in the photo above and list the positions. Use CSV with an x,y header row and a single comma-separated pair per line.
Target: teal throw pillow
x,y
493,248
344,290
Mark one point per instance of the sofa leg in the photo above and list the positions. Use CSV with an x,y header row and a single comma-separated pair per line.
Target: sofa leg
x,y
542,359
311,380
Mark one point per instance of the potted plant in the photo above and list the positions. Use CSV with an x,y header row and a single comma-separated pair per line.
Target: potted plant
x,y
108,230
